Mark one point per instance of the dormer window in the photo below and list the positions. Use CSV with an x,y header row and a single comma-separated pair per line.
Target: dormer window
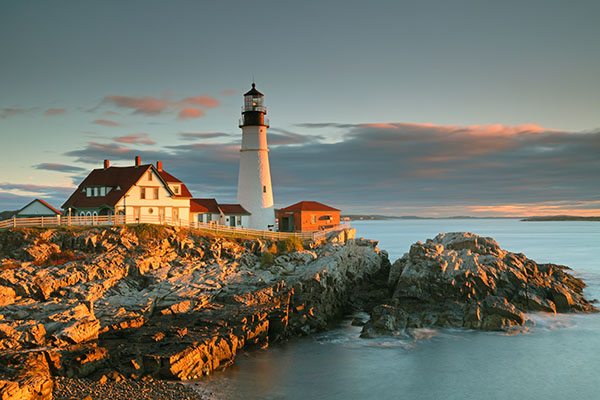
x,y
176,189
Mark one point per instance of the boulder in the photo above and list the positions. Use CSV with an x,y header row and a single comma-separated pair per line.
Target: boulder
x,y
463,280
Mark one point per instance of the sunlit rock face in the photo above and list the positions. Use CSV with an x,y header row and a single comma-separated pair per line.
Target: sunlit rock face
x,y
464,280
161,302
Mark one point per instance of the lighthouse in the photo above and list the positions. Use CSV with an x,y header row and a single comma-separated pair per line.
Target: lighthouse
x,y
255,193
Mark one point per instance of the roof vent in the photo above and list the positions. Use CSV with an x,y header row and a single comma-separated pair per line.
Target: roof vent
x,y
106,164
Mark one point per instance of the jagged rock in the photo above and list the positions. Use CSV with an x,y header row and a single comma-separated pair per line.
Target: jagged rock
x,y
176,306
464,280
25,377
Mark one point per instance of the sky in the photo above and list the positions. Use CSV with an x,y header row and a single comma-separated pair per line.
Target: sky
x,y
428,108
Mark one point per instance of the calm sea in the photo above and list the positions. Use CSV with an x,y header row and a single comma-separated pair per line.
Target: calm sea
x,y
558,359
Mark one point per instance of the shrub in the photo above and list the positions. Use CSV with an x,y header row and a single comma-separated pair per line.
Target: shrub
x,y
290,244
267,258
146,232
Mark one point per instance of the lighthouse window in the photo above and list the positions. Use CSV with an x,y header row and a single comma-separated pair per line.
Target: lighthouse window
x,y
264,189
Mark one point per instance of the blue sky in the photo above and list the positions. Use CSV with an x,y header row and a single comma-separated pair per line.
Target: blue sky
x,y
422,108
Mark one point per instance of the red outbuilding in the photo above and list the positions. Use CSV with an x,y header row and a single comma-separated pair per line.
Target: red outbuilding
x,y
307,216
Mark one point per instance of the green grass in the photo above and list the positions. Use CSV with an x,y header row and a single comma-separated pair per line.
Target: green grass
x,y
290,244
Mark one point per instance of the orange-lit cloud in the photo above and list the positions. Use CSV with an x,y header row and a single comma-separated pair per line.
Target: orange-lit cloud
x,y
54,111
188,107
201,101
11,112
190,112
105,122
228,92
135,138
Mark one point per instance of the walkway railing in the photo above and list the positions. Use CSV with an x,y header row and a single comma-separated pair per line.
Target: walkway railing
x,y
109,220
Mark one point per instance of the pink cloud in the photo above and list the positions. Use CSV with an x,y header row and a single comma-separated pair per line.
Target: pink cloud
x,y
135,138
142,105
228,92
54,111
10,112
188,107
105,122
202,101
190,112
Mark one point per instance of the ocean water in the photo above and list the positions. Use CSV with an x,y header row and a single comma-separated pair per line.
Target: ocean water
x,y
559,358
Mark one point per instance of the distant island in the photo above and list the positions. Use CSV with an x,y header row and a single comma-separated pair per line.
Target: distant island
x,y
560,218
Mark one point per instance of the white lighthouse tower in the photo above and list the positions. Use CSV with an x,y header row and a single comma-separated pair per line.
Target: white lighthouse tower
x,y
255,193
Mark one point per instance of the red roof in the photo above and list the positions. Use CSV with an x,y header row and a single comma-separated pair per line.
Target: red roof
x,y
115,177
229,209
171,179
308,206
204,205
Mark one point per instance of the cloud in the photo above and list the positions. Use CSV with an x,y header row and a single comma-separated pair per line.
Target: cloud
x,y
188,107
278,137
397,168
228,92
54,111
201,135
190,112
11,112
201,101
105,122
58,167
141,105
135,138
14,196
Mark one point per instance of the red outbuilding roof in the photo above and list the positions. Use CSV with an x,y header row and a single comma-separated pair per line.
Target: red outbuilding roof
x,y
204,205
308,206
233,209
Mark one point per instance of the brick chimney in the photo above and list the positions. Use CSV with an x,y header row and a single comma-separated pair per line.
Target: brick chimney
x,y
106,164
138,161
159,166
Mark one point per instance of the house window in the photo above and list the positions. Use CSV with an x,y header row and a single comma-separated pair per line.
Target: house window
x,y
95,192
156,193
239,220
149,176
150,210
102,191
142,193
313,219
88,192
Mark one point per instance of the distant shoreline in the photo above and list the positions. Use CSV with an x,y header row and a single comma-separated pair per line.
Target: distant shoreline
x,y
366,217
560,218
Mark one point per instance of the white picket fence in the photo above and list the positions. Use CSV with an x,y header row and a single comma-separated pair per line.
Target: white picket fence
x,y
108,220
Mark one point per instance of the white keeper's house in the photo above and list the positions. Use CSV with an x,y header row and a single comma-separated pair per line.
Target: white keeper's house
x,y
147,192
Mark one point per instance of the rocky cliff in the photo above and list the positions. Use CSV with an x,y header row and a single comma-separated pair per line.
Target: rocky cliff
x,y
154,302
467,281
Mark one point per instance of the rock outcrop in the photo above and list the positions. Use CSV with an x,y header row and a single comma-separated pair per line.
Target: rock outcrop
x,y
157,302
464,280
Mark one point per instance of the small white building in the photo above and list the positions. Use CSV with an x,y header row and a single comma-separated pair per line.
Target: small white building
x,y
37,208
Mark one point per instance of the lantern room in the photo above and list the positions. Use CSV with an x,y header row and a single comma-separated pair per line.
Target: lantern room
x,y
253,111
